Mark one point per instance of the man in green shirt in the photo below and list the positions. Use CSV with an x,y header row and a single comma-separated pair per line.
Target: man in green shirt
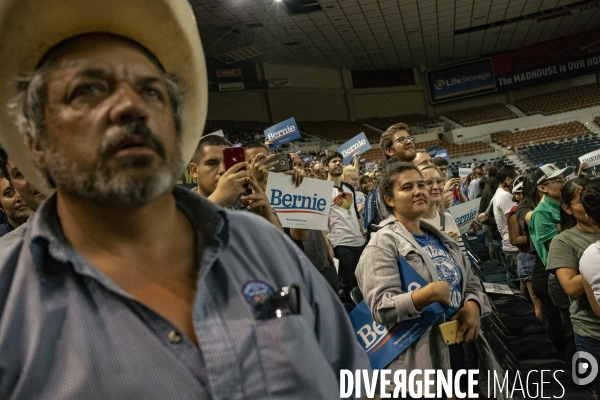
x,y
545,220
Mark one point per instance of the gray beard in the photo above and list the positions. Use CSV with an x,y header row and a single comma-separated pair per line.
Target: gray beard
x,y
105,185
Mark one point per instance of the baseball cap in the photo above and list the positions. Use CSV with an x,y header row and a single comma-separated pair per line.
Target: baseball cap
x,y
476,164
518,185
549,171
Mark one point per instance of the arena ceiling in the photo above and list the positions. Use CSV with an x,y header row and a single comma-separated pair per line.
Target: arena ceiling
x,y
383,34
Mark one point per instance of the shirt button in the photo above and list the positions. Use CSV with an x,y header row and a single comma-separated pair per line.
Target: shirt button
x,y
174,337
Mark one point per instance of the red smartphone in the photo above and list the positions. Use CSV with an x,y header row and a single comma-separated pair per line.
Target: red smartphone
x,y
232,156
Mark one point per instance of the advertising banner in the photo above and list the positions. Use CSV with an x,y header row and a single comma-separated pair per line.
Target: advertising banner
x,y
305,207
432,150
464,172
464,214
357,145
543,62
443,153
462,80
283,132
230,79
592,158
382,343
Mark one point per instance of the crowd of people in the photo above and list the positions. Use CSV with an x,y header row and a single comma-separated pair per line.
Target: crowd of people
x,y
116,283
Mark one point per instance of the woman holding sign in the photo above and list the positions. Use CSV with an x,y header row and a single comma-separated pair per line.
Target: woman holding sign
x,y
410,268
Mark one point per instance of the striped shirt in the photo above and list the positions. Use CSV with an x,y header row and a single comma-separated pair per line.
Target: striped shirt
x,y
68,332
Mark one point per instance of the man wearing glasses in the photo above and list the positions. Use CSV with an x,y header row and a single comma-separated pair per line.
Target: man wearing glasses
x,y
396,142
543,225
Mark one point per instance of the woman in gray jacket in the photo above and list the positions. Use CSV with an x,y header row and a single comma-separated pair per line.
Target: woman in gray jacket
x,y
438,260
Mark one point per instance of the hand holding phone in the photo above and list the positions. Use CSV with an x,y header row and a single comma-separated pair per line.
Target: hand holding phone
x,y
450,331
231,185
283,162
235,155
232,156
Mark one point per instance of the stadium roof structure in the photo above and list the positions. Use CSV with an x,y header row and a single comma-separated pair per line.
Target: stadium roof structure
x,y
388,34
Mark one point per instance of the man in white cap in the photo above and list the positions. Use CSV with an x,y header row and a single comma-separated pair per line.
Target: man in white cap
x,y
123,285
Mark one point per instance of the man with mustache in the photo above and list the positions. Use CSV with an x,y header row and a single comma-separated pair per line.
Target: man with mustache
x,y
124,285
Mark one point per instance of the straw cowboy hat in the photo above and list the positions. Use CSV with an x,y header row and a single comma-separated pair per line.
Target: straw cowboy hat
x,y
29,28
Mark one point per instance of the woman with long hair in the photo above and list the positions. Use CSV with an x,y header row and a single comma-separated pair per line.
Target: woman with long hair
x,y
519,238
486,215
404,239
566,258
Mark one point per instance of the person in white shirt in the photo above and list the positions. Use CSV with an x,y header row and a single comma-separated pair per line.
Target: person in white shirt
x,y
345,228
502,203
351,176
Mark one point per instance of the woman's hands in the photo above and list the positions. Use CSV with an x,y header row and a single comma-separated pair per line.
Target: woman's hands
x,y
453,235
470,322
431,293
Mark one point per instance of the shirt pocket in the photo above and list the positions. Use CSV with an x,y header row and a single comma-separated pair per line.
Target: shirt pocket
x,y
291,357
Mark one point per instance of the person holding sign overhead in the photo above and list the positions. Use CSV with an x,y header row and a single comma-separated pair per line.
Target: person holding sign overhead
x,y
405,241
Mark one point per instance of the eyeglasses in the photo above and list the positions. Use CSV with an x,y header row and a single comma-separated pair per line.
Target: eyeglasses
x,y
559,181
403,140
438,182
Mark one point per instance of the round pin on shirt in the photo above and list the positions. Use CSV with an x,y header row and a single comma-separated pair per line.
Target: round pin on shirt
x,y
257,292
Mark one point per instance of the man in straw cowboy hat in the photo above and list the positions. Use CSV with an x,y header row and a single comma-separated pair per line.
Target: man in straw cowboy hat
x,y
124,286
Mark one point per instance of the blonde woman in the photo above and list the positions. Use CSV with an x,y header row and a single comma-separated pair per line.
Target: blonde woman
x,y
434,183
351,176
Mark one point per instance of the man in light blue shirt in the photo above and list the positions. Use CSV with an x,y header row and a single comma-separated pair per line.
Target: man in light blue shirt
x,y
124,286
477,168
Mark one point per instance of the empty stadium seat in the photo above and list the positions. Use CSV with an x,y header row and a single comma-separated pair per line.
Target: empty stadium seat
x,y
562,153
523,138
561,101
481,115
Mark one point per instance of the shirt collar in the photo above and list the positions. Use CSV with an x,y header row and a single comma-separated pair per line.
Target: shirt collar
x,y
48,243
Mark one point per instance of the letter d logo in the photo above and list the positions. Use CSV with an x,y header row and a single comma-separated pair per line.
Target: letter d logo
x,y
580,368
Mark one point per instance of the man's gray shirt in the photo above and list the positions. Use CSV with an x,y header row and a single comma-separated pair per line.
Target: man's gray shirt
x,y
68,332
